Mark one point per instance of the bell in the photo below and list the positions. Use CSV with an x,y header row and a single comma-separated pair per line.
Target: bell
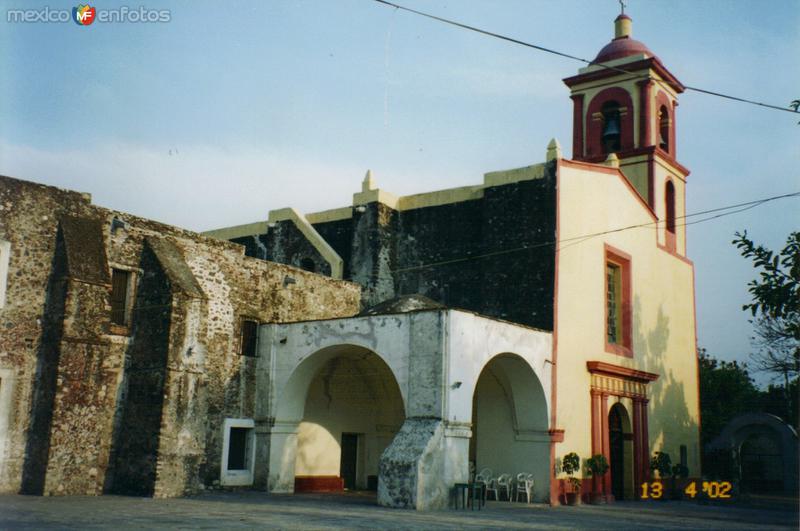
x,y
612,128
662,140
611,135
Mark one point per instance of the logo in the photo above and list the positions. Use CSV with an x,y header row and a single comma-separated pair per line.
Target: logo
x,y
84,14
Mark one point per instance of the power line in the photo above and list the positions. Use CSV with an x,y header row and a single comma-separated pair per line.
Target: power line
x,y
575,240
576,58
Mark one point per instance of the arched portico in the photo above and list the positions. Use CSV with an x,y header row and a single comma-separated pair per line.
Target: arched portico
x,y
510,422
430,361
334,415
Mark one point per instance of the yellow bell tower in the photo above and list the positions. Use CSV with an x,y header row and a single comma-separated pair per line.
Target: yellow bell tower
x,y
625,103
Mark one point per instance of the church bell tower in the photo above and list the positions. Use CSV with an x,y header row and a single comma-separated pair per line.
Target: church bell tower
x,y
625,103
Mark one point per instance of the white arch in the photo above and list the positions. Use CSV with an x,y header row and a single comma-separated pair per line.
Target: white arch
x,y
524,391
291,393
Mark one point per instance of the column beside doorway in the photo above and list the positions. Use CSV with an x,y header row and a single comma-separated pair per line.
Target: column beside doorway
x,y
616,381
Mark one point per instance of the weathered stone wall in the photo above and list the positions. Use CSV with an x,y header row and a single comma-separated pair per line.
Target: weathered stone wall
x,y
493,255
29,336
136,408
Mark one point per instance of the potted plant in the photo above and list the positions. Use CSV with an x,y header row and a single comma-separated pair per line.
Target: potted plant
x,y
570,464
661,463
598,466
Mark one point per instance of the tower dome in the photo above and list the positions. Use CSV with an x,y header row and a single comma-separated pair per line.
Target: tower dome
x,y
623,45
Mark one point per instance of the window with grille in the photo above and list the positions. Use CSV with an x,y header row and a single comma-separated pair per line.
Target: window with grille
x,y
613,302
619,336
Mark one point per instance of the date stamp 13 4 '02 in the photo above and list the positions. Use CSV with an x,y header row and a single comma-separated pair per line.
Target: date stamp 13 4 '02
x,y
712,489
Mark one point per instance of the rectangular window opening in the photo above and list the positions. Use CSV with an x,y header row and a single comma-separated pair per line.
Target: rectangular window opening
x,y
249,338
120,297
238,452
237,449
618,302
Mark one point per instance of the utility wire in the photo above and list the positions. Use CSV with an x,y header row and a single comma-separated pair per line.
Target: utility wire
x,y
633,75
721,212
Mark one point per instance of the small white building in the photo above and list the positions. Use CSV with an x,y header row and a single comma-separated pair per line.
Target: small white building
x,y
408,395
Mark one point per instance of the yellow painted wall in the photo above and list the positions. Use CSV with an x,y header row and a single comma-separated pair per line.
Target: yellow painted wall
x,y
663,313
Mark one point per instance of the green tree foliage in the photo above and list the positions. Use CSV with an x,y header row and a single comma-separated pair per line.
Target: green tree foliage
x,y
726,391
776,294
775,307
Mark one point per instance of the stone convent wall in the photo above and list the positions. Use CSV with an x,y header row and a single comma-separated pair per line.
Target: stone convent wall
x,y
88,406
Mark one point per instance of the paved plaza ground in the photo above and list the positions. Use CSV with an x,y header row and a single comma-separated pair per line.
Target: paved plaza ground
x,y
252,510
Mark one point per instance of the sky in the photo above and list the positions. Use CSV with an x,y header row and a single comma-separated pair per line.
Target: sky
x,y
230,110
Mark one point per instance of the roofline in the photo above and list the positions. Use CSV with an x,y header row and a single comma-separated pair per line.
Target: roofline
x,y
421,310
631,68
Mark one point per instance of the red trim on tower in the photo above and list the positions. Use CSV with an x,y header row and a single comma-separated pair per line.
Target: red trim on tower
x,y
669,215
634,68
644,112
662,100
577,126
672,130
622,155
594,125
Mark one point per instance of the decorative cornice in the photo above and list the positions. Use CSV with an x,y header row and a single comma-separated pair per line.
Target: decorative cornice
x,y
630,69
608,369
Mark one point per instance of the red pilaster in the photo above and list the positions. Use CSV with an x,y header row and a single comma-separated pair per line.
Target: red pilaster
x,y
577,126
606,443
644,112
673,127
637,445
597,424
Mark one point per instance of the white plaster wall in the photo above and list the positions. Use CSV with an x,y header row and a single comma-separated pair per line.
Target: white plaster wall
x,y
473,341
436,358
501,447
391,337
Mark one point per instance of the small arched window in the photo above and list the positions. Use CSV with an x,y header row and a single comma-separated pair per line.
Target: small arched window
x,y
612,127
663,128
669,200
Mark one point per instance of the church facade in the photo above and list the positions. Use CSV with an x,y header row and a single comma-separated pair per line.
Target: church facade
x,y
391,344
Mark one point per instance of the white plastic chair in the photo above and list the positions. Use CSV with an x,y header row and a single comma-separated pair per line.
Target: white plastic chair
x,y
491,487
525,486
504,483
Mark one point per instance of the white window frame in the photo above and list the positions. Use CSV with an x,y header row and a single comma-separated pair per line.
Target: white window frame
x,y
5,255
238,478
